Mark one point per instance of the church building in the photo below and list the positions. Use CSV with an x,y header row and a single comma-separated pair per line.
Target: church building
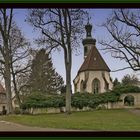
x,y
94,74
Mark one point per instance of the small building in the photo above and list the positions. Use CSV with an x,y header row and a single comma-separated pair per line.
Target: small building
x,y
94,74
3,101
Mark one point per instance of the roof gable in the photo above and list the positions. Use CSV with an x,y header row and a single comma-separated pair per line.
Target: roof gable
x,y
94,62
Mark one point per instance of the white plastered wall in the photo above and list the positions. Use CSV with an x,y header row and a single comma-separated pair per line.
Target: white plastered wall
x,y
91,77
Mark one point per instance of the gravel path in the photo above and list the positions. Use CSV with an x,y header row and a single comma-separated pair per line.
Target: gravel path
x,y
9,126
135,111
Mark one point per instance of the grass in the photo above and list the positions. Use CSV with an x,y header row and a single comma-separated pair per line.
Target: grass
x,y
95,120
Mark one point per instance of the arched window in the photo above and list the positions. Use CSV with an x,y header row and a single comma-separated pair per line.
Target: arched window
x,y
82,86
96,86
129,100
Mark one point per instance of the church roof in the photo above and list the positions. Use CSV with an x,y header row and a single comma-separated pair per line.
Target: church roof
x,y
94,62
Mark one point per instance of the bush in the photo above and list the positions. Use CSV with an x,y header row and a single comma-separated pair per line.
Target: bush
x,y
55,101
17,110
39,100
79,100
127,89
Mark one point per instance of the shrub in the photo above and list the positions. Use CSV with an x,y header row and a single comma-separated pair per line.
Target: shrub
x,y
17,110
79,100
55,101
39,100
127,89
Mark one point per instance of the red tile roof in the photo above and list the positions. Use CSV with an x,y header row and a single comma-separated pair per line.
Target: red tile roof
x,y
94,62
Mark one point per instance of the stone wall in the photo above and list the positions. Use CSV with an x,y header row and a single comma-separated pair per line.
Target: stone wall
x,y
121,104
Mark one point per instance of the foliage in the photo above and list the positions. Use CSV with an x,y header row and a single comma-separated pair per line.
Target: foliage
x,y
127,89
55,101
116,83
130,80
60,29
39,100
79,100
43,77
17,110
63,89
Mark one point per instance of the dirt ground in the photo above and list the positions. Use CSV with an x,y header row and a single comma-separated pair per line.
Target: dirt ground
x,y
9,126
135,111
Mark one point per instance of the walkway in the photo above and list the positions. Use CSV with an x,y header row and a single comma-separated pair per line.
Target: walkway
x,y
135,111
9,126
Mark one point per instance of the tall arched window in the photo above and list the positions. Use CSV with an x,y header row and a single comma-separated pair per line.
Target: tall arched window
x,y
82,86
96,86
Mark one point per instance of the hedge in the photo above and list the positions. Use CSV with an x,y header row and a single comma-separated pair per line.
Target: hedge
x,y
78,100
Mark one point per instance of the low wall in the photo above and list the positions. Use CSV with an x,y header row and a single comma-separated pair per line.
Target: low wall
x,y
121,104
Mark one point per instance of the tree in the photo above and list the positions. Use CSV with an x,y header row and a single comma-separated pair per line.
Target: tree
x,y
123,26
116,82
43,77
63,90
130,80
58,83
20,58
60,28
6,19
13,49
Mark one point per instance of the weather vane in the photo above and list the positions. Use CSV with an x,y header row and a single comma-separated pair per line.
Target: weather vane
x,y
89,17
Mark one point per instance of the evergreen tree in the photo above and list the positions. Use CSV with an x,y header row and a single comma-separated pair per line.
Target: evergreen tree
x,y
116,83
130,80
43,77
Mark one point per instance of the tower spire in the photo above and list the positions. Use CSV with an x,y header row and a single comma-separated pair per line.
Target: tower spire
x,y
88,42
88,28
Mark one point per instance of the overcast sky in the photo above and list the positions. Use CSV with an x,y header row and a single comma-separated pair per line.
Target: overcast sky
x,y
98,16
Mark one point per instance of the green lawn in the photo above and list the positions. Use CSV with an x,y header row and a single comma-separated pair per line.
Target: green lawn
x,y
95,120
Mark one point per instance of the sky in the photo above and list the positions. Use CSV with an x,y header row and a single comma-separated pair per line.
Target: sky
x,y
98,16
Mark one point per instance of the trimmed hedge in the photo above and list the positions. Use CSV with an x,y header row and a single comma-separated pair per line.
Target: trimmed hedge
x,y
78,100
127,89
41,101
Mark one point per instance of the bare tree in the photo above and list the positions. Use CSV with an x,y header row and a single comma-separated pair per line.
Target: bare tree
x,y
6,17
20,58
60,28
124,28
13,49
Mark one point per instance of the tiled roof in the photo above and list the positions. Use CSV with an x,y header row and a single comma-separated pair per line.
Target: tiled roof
x,y
94,62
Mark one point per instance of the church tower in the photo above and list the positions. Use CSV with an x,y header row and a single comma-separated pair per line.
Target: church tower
x,y
88,42
94,74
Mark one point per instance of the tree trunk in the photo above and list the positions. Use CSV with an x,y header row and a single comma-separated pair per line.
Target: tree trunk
x,y
15,89
8,78
68,89
15,85
8,88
